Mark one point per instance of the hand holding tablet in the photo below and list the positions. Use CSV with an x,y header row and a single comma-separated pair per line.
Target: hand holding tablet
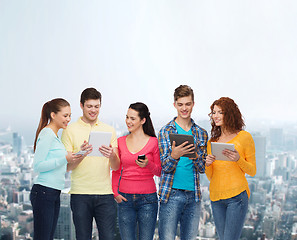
x,y
182,138
217,150
98,139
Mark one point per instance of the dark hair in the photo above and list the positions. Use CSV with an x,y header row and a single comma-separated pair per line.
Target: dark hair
x,y
143,112
233,120
55,106
183,91
89,93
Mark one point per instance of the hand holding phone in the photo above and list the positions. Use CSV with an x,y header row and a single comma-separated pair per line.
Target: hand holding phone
x,y
80,152
141,157
141,161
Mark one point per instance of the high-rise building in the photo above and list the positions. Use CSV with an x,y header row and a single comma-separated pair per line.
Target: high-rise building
x,y
269,226
276,138
260,145
17,143
270,166
65,227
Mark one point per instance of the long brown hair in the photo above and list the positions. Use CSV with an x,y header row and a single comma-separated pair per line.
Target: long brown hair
x,y
55,106
233,120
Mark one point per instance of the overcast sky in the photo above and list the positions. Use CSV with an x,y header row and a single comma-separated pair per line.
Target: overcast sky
x,y
142,50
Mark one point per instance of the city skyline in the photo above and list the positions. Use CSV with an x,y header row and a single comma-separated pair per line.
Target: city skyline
x,y
272,205
254,127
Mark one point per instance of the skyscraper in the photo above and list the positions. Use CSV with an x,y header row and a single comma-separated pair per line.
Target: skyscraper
x,y
260,145
65,228
17,143
276,138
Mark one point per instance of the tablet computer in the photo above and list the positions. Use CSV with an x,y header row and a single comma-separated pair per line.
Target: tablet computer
x,y
181,138
217,148
97,139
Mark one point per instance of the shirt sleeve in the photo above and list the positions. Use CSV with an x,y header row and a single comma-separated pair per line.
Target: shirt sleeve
x,y
154,165
66,140
168,163
209,169
41,161
247,160
201,148
115,179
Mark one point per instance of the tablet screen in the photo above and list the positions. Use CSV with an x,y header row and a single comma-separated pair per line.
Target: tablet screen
x,y
217,148
97,139
181,138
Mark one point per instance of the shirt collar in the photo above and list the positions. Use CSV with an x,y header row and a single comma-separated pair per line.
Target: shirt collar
x,y
87,124
172,123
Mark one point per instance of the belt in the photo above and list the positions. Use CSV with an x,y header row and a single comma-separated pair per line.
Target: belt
x,y
182,190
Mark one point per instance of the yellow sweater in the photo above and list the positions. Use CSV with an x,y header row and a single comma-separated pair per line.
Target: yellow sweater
x,y
227,178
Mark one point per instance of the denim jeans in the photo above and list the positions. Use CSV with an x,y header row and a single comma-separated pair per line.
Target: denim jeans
x,y
229,216
181,207
86,207
46,206
141,210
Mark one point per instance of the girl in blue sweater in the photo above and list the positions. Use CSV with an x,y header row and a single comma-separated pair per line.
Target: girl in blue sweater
x,y
50,161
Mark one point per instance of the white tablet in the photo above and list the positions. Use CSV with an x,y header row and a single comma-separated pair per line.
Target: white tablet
x,y
217,148
97,139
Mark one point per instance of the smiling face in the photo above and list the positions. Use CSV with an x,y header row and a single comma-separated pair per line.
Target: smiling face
x,y
90,110
133,120
184,107
217,116
61,118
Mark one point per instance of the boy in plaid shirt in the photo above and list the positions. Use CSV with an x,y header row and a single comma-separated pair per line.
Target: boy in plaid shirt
x,y
179,183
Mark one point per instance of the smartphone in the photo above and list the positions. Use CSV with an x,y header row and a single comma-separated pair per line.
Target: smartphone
x,y
80,153
141,157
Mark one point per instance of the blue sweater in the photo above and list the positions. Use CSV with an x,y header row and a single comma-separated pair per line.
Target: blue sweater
x,y
50,160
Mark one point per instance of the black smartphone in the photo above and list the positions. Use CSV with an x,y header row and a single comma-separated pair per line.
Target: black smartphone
x,y
141,157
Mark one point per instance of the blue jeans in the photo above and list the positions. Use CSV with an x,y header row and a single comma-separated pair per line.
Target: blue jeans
x,y
141,209
86,207
46,206
229,216
181,207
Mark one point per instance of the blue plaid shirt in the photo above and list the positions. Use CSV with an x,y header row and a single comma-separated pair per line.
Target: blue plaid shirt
x,y
169,164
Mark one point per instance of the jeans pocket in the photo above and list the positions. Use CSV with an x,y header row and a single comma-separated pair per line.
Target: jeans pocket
x,y
151,198
173,192
240,198
45,193
243,198
122,202
50,196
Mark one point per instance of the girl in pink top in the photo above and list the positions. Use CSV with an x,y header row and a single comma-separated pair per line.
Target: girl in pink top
x,y
133,184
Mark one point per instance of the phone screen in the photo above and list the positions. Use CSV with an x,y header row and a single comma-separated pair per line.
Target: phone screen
x,y
141,157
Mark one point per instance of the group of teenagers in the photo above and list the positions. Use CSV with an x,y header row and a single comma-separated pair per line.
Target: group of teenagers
x,y
95,194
